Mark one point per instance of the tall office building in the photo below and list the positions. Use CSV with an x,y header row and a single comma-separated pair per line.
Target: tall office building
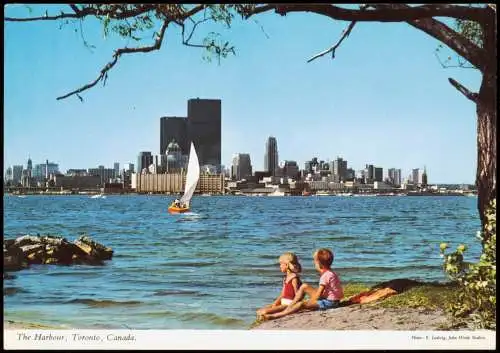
x,y
338,168
116,167
369,173
43,171
29,168
378,174
271,156
394,176
144,160
424,177
291,169
17,173
174,128
8,174
204,130
242,166
129,167
415,176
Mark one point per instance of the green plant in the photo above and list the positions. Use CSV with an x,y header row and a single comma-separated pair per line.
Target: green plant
x,y
476,301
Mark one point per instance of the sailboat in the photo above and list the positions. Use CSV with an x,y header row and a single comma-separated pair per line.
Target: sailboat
x,y
192,177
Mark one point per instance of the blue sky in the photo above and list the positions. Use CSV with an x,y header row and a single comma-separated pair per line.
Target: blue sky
x,y
384,100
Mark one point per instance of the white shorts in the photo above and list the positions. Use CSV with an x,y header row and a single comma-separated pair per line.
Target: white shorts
x,y
285,301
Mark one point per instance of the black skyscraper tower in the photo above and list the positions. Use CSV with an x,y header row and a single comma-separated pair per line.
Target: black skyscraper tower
x,y
204,129
174,128
271,155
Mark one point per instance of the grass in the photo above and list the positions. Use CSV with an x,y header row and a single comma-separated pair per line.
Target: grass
x,y
428,295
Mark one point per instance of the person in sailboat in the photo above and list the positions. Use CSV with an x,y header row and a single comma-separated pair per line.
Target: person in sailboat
x,y
177,203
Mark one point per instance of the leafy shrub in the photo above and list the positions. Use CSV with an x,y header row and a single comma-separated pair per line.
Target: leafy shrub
x,y
475,307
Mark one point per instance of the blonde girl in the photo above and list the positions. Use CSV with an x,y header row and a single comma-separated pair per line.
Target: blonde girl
x,y
290,266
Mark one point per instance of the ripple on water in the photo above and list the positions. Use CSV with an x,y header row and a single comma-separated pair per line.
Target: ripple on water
x,y
222,262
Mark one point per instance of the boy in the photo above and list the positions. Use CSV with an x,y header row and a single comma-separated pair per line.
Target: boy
x,y
326,296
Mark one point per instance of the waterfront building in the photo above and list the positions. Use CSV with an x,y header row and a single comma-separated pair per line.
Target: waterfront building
x,y
104,174
81,182
369,173
174,183
76,172
204,129
378,174
17,172
144,160
394,176
242,166
174,160
271,155
338,168
8,175
116,167
350,174
209,169
424,178
42,172
291,169
415,174
29,168
129,167
174,128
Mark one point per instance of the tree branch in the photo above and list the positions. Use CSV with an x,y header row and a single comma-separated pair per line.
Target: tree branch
x,y
417,16
116,55
462,89
457,42
332,49
386,15
460,65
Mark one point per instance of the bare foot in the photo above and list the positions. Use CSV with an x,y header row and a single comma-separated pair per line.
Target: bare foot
x,y
265,317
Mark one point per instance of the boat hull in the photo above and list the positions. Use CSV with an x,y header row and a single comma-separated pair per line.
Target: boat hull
x,y
173,209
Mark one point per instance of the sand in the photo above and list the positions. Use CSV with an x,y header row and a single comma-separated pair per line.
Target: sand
x,y
360,317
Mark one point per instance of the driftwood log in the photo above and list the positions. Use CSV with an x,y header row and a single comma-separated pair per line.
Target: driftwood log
x,y
25,250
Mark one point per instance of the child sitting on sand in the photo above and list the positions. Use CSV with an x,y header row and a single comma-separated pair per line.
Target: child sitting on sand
x,y
290,266
326,296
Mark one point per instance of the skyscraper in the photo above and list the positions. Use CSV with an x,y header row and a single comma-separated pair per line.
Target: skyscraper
x,y
394,176
424,177
415,173
338,168
242,166
204,130
271,156
116,167
174,128
17,173
378,174
144,160
369,173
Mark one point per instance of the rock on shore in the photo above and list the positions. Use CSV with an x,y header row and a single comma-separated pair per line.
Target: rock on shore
x,y
23,251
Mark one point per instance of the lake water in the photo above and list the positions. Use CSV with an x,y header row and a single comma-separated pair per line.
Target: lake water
x,y
212,268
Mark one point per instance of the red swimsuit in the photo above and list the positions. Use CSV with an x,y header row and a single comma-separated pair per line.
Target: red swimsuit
x,y
288,291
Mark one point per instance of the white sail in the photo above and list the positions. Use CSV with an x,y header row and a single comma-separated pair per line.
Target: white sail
x,y
192,177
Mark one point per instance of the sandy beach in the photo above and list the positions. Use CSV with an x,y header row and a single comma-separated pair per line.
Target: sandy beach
x,y
360,317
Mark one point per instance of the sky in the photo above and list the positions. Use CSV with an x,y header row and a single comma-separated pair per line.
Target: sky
x,y
384,99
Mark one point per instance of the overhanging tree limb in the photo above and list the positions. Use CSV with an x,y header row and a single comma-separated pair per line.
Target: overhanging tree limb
x,y
390,15
462,89
333,48
461,45
116,55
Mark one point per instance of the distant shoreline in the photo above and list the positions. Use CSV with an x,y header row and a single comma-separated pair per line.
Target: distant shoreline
x,y
469,194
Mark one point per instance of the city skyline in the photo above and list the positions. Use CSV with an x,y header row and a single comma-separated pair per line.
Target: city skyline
x,y
149,157
371,104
